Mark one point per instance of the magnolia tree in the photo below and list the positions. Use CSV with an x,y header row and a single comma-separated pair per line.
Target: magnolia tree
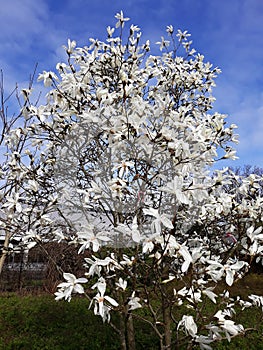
x,y
118,164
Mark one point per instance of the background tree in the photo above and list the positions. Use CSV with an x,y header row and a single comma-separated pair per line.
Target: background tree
x,y
25,190
12,144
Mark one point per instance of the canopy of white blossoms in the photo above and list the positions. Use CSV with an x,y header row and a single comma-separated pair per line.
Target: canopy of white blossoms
x,y
119,156
131,132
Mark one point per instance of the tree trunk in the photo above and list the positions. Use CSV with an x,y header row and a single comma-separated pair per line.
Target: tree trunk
x,y
4,252
130,333
123,332
167,324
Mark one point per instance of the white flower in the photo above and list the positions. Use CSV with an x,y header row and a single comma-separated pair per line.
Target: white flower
x,y
123,168
121,20
136,236
148,245
182,35
257,300
184,252
133,232
189,325
134,302
170,29
26,93
100,308
95,190
13,202
71,46
160,219
211,295
245,304
88,238
47,77
61,67
134,28
59,235
33,185
96,265
176,187
102,93
71,286
229,326
31,238
231,154
116,186
232,269
122,284
127,261
255,234
163,43
217,270
41,112
231,329
203,341
169,279
110,31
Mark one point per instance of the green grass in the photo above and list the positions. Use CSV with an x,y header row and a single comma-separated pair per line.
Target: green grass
x,y
41,323
38,322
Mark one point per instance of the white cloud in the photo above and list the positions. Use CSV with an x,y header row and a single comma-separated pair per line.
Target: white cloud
x,y
22,19
27,37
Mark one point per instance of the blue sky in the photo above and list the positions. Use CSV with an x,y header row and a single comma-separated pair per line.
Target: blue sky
x,y
228,32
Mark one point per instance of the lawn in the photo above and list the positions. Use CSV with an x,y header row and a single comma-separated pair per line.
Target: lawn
x,y
39,322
